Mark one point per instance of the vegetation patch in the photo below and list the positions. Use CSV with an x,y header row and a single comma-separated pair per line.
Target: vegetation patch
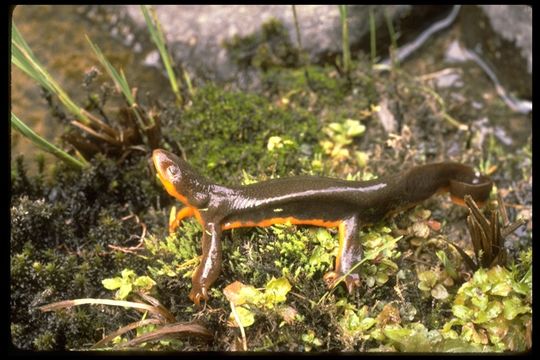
x,y
98,233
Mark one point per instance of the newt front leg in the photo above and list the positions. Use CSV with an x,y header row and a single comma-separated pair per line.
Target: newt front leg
x,y
349,254
184,213
210,265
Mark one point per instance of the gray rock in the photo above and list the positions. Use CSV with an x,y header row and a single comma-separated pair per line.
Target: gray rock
x,y
196,32
513,23
502,36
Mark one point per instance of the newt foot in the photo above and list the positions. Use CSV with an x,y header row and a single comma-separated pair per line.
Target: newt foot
x,y
197,293
331,279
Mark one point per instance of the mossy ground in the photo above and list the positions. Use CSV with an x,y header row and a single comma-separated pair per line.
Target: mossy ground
x,y
61,227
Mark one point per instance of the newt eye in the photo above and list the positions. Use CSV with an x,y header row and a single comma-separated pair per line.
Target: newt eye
x,y
173,171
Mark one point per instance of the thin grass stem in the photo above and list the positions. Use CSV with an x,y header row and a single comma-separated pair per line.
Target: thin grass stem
x,y
345,39
372,36
45,145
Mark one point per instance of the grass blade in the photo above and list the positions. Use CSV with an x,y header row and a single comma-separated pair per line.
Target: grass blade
x,y
24,59
345,39
372,36
119,79
393,39
157,35
122,85
45,145
186,329
101,343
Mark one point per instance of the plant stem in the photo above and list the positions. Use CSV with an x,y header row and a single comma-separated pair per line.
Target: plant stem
x,y
393,39
156,33
372,36
303,56
345,39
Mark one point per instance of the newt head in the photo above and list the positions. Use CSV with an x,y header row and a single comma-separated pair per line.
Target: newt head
x,y
168,172
179,179
471,183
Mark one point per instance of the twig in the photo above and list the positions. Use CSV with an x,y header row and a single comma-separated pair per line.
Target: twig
x,y
101,343
242,331
132,249
168,330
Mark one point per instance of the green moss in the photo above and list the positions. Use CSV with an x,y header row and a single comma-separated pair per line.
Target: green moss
x,y
61,229
59,236
323,81
226,132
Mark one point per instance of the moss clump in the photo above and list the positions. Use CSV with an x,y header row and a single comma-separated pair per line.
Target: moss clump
x,y
264,49
324,81
226,132
59,236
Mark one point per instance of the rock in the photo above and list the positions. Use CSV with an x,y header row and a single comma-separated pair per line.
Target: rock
x,y
513,23
196,33
502,36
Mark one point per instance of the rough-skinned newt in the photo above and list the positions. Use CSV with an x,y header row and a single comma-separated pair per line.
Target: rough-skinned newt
x,y
305,200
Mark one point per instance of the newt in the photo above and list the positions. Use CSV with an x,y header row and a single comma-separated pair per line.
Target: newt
x,y
305,200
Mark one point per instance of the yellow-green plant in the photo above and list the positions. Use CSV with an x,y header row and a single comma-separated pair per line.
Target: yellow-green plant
x,y
127,282
494,309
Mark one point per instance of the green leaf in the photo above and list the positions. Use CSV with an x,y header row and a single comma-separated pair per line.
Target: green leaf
x,y
448,265
350,321
245,316
501,289
392,265
335,127
354,128
513,307
325,238
480,278
462,312
128,274
481,301
522,288
381,278
361,158
455,345
494,308
497,329
276,290
428,277
124,291
45,145
112,284
238,293
144,282
366,323
439,292
397,333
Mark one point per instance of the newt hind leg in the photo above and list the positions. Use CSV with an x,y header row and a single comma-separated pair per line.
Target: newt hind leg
x,y
210,266
349,253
